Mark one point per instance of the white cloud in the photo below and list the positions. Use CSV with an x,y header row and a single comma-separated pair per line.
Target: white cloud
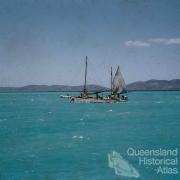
x,y
166,41
137,44
150,42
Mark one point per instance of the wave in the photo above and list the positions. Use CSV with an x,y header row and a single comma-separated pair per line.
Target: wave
x,y
1,120
158,102
110,110
77,137
121,166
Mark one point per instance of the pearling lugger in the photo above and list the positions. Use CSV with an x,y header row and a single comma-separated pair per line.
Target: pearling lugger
x,y
118,88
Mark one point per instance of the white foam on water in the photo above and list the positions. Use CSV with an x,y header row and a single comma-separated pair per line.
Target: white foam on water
x,y
158,102
81,119
77,137
121,166
110,110
1,120
80,137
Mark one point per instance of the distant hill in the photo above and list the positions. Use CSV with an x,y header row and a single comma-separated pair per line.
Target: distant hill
x,y
151,85
53,88
155,85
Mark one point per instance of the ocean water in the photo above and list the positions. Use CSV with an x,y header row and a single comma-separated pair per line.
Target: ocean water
x,y
45,137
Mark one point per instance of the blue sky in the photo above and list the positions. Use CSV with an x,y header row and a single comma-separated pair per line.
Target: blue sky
x,y
46,41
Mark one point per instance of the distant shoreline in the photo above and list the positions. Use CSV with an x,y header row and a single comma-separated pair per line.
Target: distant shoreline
x,y
26,92
150,85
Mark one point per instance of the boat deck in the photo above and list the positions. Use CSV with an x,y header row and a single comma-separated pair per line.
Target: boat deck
x,y
94,100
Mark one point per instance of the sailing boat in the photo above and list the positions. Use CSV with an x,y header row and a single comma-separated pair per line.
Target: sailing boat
x,y
118,87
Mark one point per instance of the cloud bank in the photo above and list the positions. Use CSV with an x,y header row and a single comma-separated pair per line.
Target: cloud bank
x,y
137,43
150,42
166,41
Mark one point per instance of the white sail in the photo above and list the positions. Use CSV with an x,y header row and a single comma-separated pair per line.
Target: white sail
x,y
119,85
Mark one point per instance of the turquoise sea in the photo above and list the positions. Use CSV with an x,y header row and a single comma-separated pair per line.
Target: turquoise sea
x,y
45,137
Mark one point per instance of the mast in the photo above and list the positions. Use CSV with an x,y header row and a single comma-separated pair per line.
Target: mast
x,y
111,80
85,80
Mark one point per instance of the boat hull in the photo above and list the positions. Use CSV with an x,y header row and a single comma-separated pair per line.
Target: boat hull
x,y
94,100
65,97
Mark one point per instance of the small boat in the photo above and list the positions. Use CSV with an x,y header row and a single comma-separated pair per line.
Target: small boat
x,y
118,88
65,96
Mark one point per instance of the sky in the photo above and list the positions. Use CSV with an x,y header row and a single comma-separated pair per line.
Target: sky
x,y
46,41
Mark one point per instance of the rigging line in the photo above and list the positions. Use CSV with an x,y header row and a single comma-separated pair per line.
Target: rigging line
x,y
78,73
94,78
98,79
90,77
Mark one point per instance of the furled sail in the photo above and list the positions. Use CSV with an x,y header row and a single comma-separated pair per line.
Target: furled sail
x,y
119,85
